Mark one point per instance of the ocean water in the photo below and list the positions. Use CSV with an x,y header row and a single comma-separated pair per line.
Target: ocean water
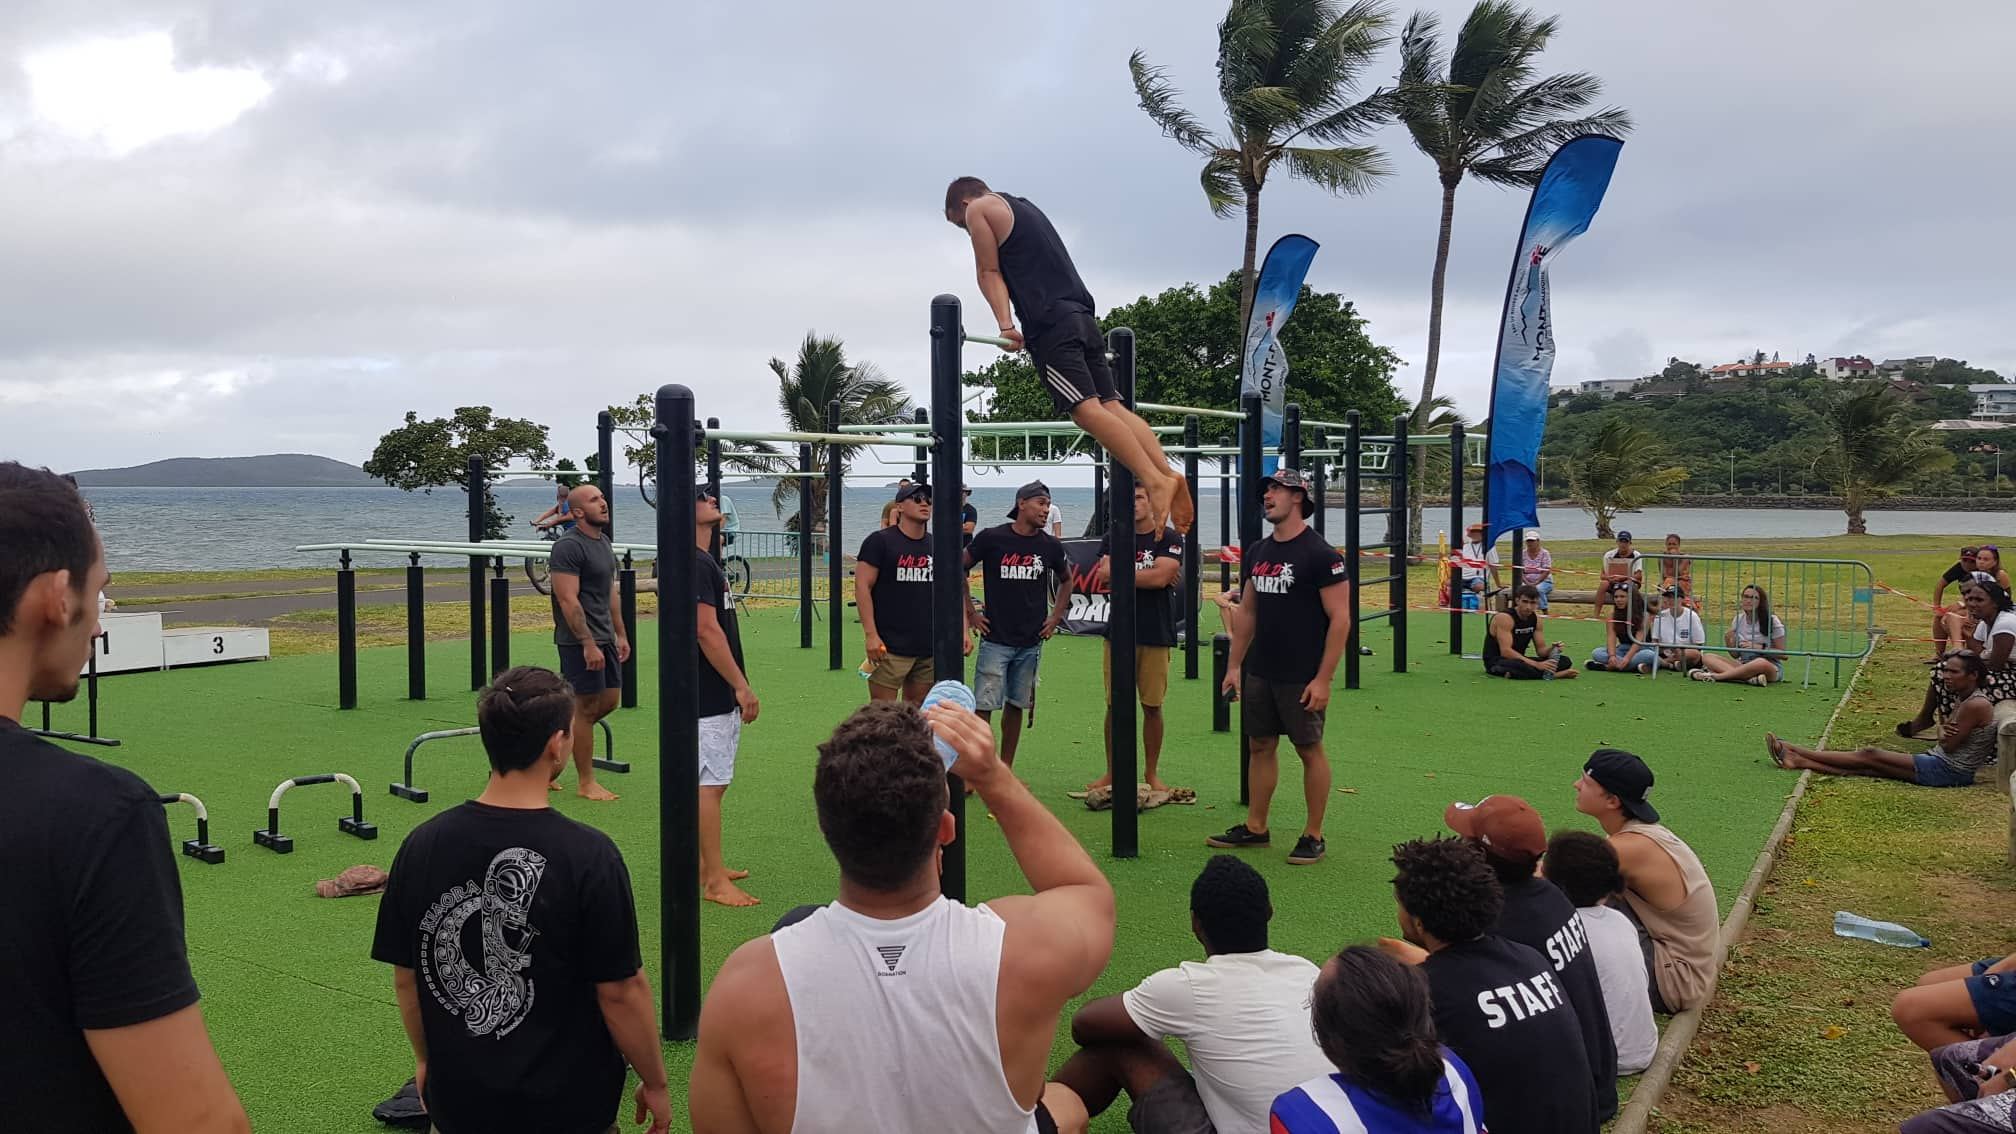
x,y
217,529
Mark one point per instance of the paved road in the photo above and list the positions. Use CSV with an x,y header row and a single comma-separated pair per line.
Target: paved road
x,y
119,590
264,610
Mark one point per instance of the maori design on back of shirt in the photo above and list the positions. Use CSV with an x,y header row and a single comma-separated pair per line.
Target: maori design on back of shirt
x,y
496,999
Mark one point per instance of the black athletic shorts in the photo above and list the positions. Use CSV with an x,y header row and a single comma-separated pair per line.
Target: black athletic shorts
x,y
1274,708
1520,671
1070,360
591,682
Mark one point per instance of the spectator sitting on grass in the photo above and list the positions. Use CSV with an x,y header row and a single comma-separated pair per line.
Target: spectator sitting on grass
x,y
1947,616
1372,1016
1756,640
1993,638
1677,633
1625,632
1976,1075
1966,743
1512,633
1959,1002
1585,867
1242,1014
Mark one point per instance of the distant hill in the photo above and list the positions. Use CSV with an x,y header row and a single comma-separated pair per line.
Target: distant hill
x,y
274,470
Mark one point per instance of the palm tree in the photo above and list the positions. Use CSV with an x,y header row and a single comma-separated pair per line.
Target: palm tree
x,y
1479,110
1624,467
822,374
1286,70
1875,446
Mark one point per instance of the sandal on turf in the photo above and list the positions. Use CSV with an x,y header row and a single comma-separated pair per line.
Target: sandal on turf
x,y
1700,675
1775,747
1182,795
1148,799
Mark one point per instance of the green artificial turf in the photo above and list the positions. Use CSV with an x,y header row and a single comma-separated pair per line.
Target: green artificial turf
x,y
305,1020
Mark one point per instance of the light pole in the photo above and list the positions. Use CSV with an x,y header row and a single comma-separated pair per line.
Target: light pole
x,y
1732,472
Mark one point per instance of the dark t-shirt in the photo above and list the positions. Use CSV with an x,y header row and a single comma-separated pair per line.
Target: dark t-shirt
x,y
1042,281
510,918
1015,574
1500,1007
1538,915
592,560
969,515
1522,635
710,588
1289,620
1154,608
90,929
902,591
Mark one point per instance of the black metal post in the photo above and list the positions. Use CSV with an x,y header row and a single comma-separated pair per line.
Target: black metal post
x,y
1100,494
1353,552
1122,629
626,594
1192,556
1249,534
416,629
922,473
948,621
1291,435
1221,657
479,652
805,606
1319,485
346,636
1455,537
1224,525
715,540
836,602
1396,535
500,619
679,727
605,471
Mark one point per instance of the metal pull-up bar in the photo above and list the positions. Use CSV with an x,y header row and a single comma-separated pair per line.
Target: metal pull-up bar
x,y
914,441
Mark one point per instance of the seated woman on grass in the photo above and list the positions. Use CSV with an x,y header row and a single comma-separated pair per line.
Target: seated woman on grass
x,y
1756,640
1956,623
1625,632
1966,743
1993,638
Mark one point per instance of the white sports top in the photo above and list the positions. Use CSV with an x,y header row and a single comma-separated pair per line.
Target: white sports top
x,y
895,1022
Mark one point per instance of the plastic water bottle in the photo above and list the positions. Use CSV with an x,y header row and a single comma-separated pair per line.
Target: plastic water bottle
x,y
956,693
1554,657
1882,932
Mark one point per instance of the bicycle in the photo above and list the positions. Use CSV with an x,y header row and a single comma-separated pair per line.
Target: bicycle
x,y
537,570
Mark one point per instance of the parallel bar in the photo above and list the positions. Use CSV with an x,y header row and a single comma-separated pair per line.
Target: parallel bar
x,y
416,630
479,651
990,340
948,620
786,438
679,728
1156,407
1122,625
836,603
1192,556
806,536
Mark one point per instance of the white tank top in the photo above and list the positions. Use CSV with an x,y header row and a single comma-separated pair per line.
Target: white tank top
x,y
895,1022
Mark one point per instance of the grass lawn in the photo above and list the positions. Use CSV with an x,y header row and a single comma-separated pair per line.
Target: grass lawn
x,y
305,1020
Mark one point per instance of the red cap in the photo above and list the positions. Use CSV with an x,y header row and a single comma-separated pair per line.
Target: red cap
x,y
1507,826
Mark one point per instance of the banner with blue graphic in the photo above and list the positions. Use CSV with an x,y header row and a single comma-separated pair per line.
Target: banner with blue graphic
x,y
1570,191
1263,369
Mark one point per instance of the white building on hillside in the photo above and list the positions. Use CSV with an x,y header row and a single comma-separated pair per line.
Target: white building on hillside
x,y
1608,387
1840,368
1994,400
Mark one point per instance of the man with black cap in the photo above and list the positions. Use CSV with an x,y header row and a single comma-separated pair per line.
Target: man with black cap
x,y
892,592
969,516
1666,892
1539,916
1288,632
1017,562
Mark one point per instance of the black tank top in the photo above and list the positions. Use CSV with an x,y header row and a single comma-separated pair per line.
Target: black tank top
x,y
1042,282
1522,636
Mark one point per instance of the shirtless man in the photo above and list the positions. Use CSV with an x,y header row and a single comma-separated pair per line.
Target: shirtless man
x,y
1021,260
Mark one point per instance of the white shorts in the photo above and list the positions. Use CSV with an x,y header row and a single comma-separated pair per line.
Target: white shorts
x,y
719,736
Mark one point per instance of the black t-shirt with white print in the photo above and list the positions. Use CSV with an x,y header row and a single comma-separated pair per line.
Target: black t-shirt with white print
x,y
1288,578
509,919
1154,608
90,929
1499,1006
1015,574
902,591
1539,916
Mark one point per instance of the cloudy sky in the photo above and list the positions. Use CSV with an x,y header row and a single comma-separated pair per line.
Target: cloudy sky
x,y
243,226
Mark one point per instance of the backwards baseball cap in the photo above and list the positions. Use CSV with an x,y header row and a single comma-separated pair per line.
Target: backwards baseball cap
x,y
1506,825
1625,776
911,488
1292,478
1028,491
1969,552
1623,537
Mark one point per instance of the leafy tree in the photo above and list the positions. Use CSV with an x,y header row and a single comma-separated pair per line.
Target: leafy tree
x,y
819,375
1874,448
1286,70
1954,371
1623,467
432,454
1679,371
1187,348
1480,109
567,478
1946,402
1584,403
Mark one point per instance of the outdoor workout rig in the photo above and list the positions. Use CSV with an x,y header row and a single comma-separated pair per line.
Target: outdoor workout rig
x,y
405,789
352,824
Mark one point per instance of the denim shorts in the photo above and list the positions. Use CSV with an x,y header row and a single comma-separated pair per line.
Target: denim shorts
x,y
1777,666
1933,772
1005,675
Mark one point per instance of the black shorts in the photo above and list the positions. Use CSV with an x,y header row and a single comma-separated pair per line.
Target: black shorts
x,y
591,682
1070,358
1520,671
1274,708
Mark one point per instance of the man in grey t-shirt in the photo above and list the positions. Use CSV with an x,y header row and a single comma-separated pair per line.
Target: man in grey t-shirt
x,y
588,626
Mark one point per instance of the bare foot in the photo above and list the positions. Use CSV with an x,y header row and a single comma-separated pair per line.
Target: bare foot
x,y
1162,498
727,893
1775,747
1566,675
1102,781
1155,784
553,785
596,792
737,875
1182,510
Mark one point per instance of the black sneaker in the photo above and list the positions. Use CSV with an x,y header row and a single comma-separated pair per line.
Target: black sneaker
x,y
1308,849
1237,837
